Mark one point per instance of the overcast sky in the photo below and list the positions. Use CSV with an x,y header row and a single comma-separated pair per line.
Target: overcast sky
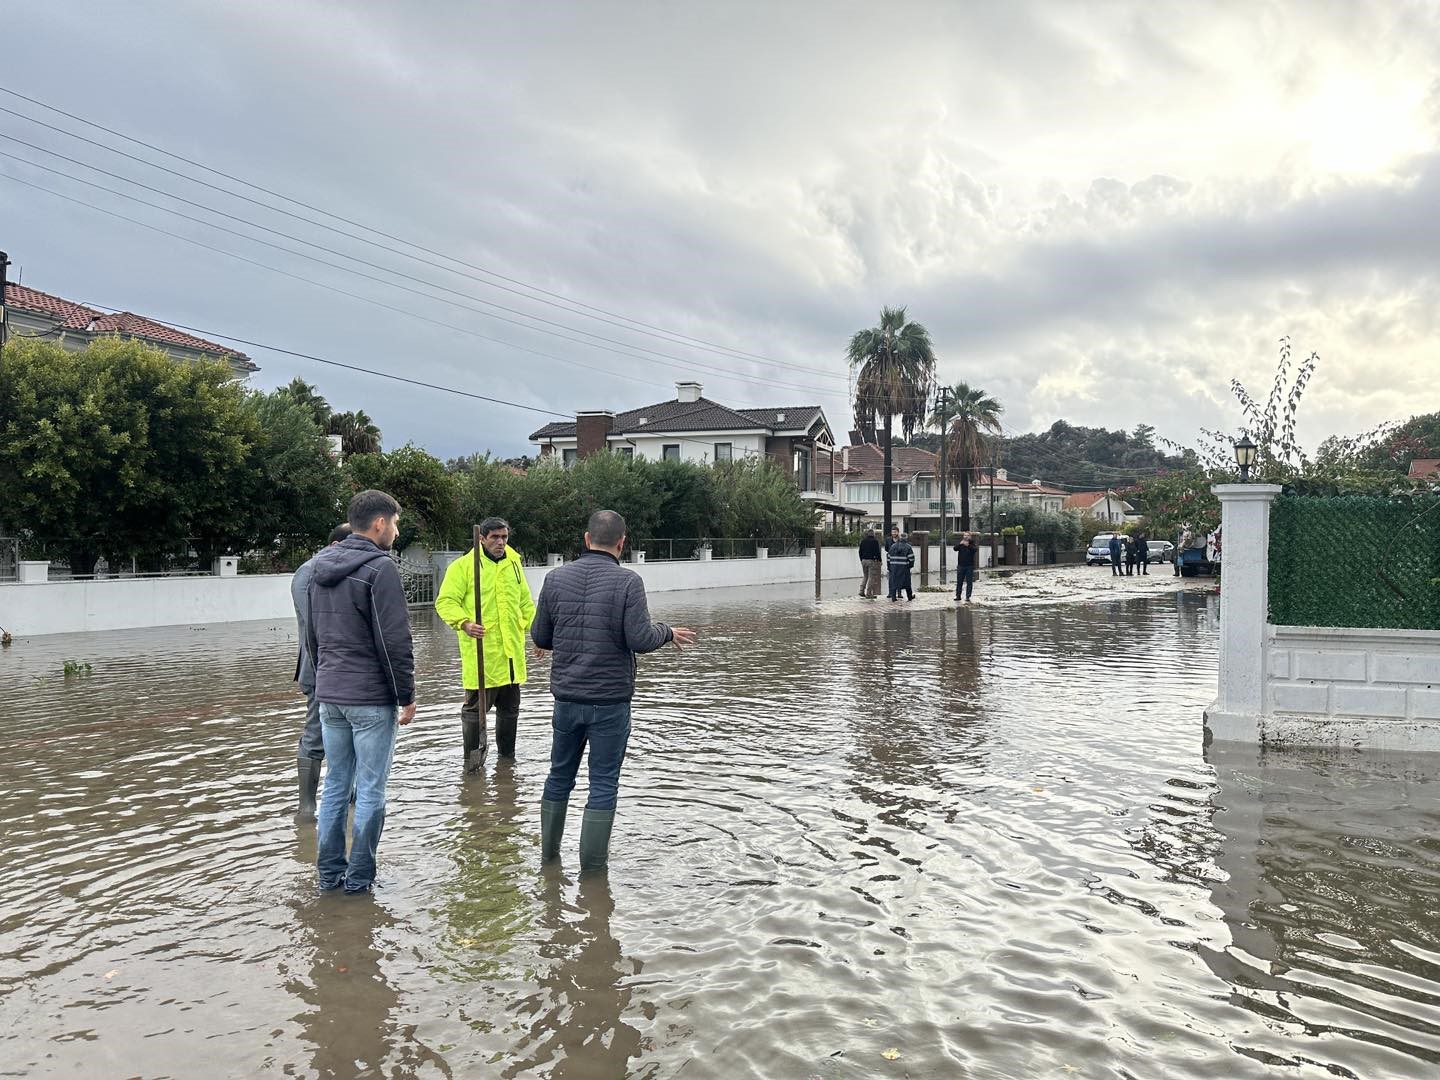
x,y
1102,212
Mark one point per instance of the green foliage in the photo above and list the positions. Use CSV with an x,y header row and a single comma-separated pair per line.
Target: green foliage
x,y
973,420
1182,500
839,536
428,495
1052,530
1355,561
117,450
294,493
755,498
358,433
77,669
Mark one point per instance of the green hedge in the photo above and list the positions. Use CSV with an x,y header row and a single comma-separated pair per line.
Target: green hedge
x,y
1355,561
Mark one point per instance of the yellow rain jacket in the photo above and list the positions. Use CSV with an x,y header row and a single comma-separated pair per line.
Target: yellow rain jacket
x,y
508,612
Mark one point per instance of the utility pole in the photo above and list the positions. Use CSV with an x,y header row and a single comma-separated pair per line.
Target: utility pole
x,y
944,410
4,265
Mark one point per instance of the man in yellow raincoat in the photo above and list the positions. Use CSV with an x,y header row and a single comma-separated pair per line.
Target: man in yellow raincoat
x,y
506,614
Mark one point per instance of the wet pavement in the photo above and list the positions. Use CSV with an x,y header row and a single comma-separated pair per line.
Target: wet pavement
x,y
900,841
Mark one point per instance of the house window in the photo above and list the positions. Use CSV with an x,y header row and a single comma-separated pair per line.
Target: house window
x,y
568,457
900,492
800,464
670,451
724,451
625,451
924,489
862,493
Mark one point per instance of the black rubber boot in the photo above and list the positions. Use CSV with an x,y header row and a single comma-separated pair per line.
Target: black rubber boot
x,y
552,828
595,840
308,771
505,729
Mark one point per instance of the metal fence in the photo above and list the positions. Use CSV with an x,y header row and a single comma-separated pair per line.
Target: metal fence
x,y
419,581
1355,561
720,548
9,558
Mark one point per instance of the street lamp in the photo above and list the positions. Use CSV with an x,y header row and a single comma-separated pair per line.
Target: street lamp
x,y
1245,451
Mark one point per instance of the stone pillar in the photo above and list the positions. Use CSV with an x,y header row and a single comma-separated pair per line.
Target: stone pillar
x,y
592,431
226,566
1244,610
920,541
32,572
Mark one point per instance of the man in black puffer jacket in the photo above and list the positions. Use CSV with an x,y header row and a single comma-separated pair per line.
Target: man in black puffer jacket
x,y
594,616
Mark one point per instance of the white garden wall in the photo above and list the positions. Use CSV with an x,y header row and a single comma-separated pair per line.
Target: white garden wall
x,y
67,607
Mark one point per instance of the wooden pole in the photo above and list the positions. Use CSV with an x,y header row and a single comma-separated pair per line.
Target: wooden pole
x,y
479,618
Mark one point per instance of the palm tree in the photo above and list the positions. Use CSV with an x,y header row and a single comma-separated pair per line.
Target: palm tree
x,y
897,365
304,394
973,415
358,434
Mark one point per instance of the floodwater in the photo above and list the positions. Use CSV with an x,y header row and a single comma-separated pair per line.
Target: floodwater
x,y
911,843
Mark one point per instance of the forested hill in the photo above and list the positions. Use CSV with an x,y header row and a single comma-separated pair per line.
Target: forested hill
x,y
1078,457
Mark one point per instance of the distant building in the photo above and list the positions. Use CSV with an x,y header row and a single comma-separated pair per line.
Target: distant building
x,y
1105,505
33,314
915,489
691,427
1425,469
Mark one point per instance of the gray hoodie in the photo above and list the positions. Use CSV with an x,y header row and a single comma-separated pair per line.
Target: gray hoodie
x,y
359,627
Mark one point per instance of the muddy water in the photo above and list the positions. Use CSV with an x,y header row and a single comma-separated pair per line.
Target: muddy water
x,y
983,843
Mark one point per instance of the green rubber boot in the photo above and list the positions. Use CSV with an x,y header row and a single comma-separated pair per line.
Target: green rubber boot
x,y
552,828
595,840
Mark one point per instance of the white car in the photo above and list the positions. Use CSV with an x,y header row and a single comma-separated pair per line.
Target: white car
x,y
1099,553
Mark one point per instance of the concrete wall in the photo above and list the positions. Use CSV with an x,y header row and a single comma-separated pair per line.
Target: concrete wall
x,y
65,607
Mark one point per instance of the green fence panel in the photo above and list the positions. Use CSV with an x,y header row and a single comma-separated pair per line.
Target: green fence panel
x,y
1355,561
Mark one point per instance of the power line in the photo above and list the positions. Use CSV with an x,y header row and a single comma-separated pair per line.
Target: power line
x,y
633,325
376,303
680,362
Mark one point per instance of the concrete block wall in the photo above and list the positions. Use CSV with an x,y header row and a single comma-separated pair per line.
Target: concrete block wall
x,y
1332,672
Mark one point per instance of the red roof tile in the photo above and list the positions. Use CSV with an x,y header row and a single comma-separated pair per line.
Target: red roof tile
x,y
73,316
1424,468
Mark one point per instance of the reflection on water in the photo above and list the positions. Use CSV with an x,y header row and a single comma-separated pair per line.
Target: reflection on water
x,y
986,840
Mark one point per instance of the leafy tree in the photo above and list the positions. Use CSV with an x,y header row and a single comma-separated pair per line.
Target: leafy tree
x,y
118,450
973,417
609,481
896,365
1182,500
755,498
358,433
294,493
427,493
686,499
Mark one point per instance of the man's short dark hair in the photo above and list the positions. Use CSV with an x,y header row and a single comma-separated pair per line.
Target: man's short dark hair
x,y
490,524
366,506
340,532
605,527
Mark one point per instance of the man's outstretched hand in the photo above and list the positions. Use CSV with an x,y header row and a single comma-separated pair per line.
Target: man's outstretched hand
x,y
682,637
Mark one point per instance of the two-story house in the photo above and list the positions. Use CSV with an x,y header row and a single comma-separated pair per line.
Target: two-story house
x,y
1106,505
31,313
692,427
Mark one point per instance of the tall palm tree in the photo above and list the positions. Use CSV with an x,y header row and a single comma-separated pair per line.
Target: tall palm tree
x,y
358,434
896,366
974,416
305,394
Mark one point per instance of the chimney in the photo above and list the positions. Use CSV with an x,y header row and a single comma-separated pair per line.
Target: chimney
x,y
592,430
857,438
1001,474
687,391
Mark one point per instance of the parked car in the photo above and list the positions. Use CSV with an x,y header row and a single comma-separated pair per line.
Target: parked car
x,y
1099,552
1160,551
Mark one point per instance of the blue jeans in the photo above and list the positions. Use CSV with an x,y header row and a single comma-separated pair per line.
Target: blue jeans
x,y
965,577
607,729
359,746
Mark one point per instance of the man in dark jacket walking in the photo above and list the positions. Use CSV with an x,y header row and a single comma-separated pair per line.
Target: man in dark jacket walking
x,y
902,558
364,681
870,565
311,751
1116,547
594,616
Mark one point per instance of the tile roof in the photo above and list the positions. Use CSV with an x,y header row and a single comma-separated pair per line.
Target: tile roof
x,y
674,416
867,462
72,316
1424,468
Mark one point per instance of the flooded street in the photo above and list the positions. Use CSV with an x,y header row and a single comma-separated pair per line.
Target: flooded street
x,y
853,841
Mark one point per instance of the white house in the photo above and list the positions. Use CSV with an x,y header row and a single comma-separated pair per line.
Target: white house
x,y
1105,505
691,427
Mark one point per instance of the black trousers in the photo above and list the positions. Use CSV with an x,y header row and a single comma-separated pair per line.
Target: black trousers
x,y
505,700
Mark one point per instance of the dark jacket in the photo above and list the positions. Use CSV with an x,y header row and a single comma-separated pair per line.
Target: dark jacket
x,y
869,548
1142,548
901,554
1115,548
966,559
359,627
594,615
